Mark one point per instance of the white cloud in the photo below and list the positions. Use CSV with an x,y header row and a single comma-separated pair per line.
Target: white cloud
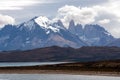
x,y
104,21
106,14
5,19
114,7
19,4
79,15
111,11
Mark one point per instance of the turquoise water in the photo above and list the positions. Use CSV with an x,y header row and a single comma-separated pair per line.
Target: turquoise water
x,y
27,63
53,77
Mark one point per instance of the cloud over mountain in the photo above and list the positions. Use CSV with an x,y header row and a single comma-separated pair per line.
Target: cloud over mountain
x,y
106,14
104,21
5,19
79,15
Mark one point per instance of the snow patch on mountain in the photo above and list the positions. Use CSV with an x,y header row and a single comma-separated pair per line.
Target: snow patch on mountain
x,y
53,29
107,33
45,23
42,21
29,25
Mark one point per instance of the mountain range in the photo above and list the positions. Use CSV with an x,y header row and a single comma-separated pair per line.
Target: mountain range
x,y
42,32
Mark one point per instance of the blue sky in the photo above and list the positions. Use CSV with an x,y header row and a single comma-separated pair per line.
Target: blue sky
x,y
103,12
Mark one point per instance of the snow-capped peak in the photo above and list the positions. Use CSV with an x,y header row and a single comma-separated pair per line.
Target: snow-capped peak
x,y
42,21
45,23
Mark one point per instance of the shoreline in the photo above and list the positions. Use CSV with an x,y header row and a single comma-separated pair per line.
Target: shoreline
x,y
53,69
115,74
100,68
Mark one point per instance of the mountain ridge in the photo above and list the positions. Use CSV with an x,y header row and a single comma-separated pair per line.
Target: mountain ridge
x,y
42,32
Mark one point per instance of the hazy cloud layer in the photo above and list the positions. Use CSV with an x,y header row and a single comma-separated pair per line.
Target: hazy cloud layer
x,y
20,4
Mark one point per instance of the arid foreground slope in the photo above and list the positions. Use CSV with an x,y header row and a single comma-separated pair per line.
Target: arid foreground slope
x,y
62,54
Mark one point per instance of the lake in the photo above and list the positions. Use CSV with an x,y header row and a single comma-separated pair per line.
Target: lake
x,y
53,77
11,64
